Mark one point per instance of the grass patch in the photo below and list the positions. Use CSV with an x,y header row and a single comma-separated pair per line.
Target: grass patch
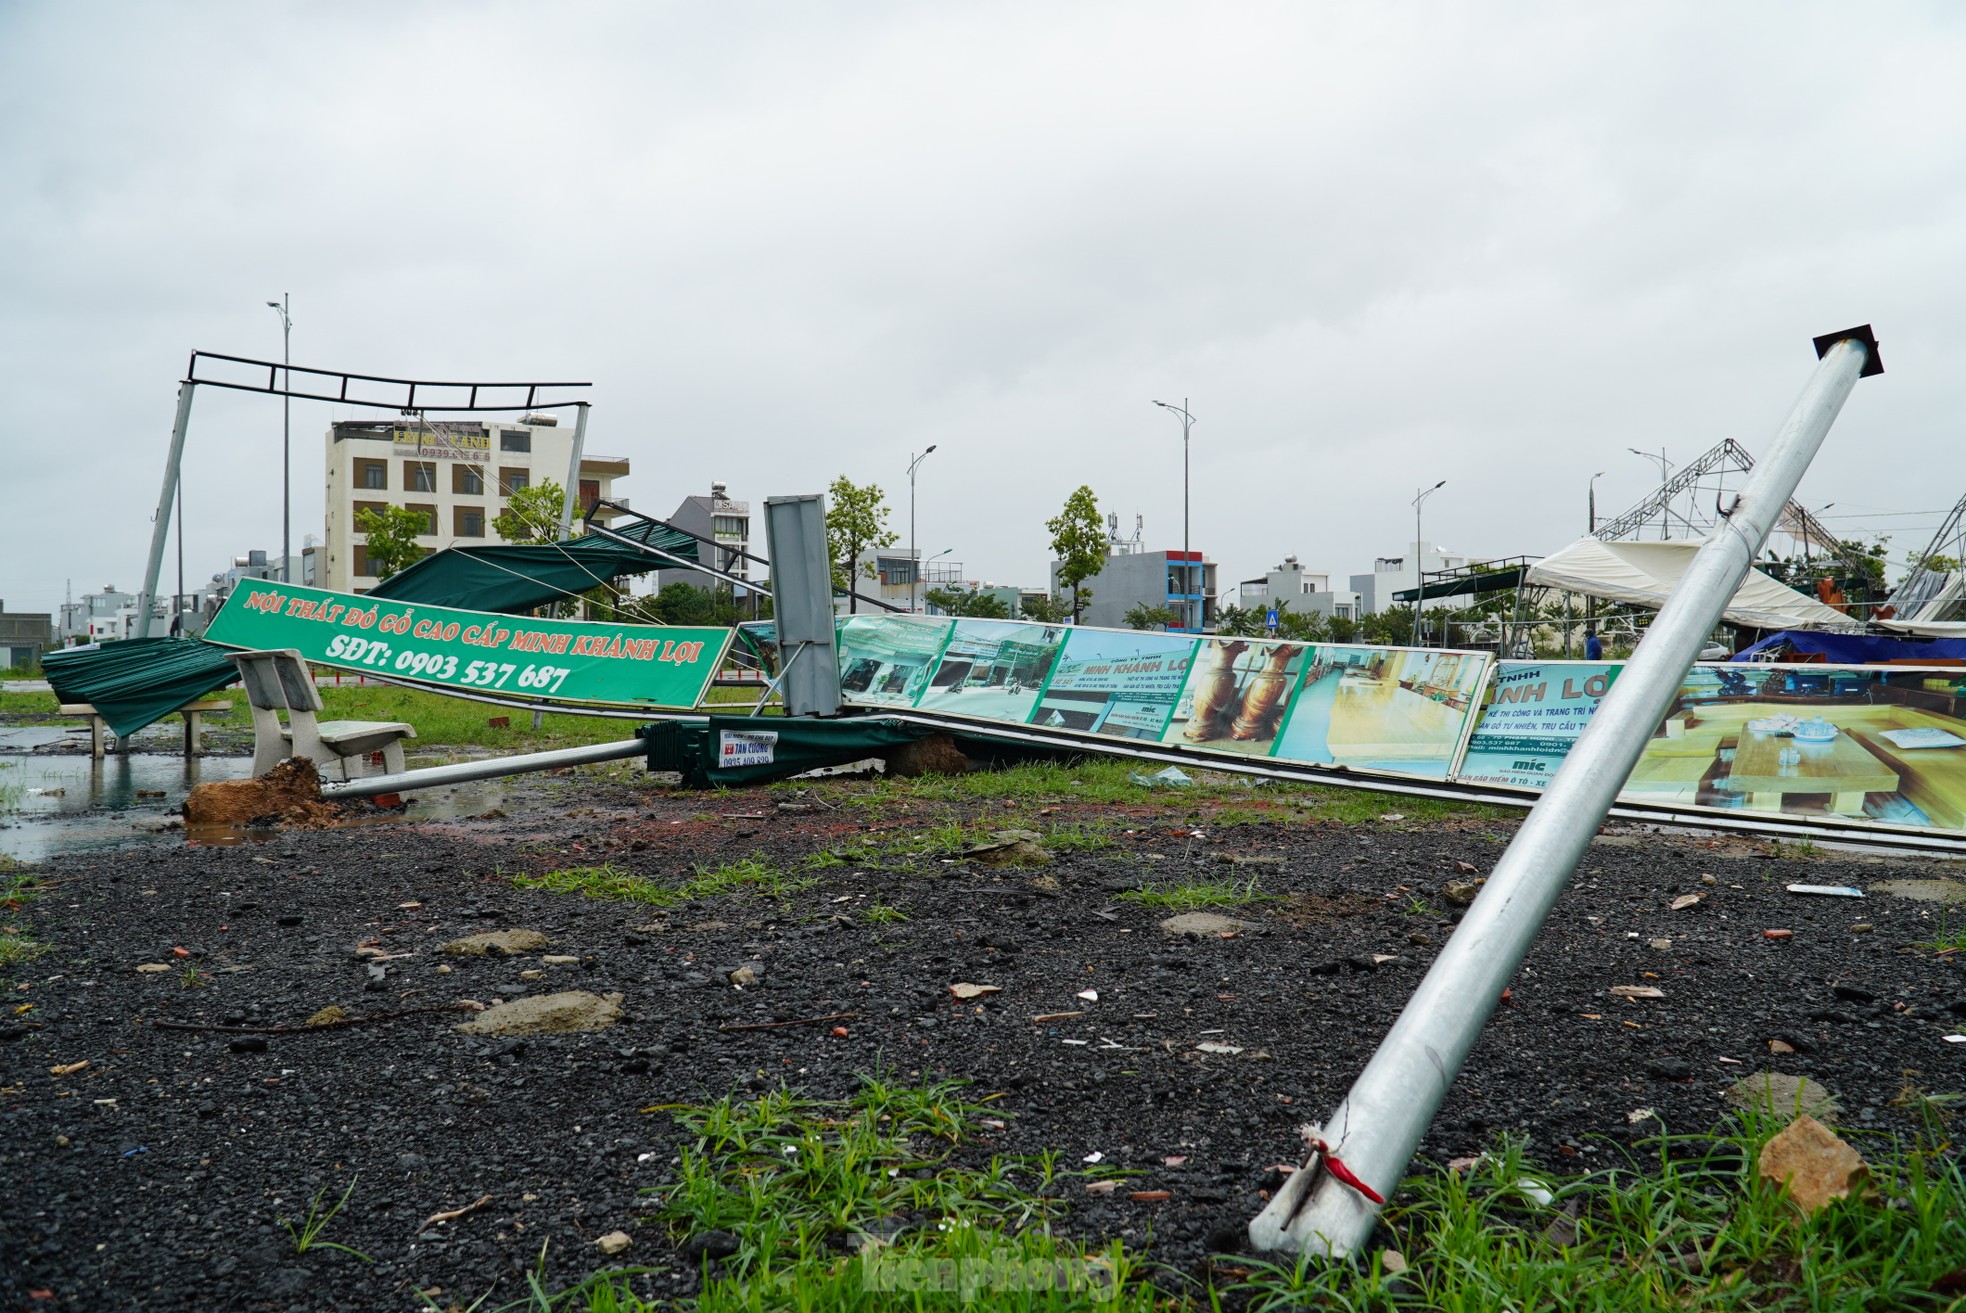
x,y
17,890
754,874
1948,940
308,1234
882,914
1191,895
802,1183
1680,1223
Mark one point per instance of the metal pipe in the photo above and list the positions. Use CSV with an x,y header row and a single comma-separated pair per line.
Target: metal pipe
x,y
1377,1126
573,470
160,524
490,768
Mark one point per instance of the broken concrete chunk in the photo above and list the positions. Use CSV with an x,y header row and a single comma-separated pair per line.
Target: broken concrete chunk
x,y
545,1014
1010,848
614,1242
964,990
1460,892
1813,1164
1781,1096
507,942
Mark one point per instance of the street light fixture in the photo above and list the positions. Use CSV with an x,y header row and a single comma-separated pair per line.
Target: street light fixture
x,y
1420,574
914,555
281,308
1187,565
1593,500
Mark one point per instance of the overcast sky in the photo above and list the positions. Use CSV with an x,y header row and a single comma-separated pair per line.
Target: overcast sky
x,y
1375,245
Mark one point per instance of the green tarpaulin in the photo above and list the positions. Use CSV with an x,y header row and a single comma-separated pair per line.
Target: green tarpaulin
x,y
732,751
140,680
509,578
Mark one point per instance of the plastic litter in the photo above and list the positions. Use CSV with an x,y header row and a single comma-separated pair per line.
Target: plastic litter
x,y
1827,890
1171,778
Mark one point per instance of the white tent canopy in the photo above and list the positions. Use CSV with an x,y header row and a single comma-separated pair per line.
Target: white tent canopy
x,y
1644,574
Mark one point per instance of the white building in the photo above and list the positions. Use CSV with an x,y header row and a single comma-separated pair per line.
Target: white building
x,y
458,474
890,573
1390,574
1307,591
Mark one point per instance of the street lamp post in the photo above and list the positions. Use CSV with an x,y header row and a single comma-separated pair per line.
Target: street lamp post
x,y
1419,573
281,308
914,554
1187,564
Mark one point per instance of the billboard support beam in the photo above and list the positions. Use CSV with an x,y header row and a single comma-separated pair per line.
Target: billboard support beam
x,y
1378,1125
802,604
160,526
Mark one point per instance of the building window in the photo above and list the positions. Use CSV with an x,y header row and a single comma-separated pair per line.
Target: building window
x,y
419,476
362,562
514,440
372,474
468,480
511,478
732,526
590,492
429,514
469,521
361,506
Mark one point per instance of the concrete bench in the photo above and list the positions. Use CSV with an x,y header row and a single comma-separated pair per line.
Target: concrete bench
x,y
191,711
279,681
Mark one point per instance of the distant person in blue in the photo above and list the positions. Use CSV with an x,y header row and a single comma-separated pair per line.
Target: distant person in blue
x,y
1593,649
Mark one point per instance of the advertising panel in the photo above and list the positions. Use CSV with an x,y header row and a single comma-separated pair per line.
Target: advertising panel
x,y
1237,694
1383,709
993,669
1536,711
566,660
1879,744
1115,682
885,660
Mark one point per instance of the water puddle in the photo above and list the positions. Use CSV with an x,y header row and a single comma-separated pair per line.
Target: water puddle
x,y
55,805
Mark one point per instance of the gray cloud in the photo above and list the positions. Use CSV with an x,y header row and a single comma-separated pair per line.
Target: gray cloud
x,y
1375,245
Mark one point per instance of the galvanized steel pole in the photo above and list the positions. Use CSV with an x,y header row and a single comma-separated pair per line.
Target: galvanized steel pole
x,y
160,523
1380,1122
572,498
486,768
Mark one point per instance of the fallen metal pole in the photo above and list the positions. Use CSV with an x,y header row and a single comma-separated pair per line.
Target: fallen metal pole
x,y
489,768
1380,1122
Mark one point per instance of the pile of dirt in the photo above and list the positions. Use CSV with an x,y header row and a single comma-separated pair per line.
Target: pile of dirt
x,y
935,755
289,794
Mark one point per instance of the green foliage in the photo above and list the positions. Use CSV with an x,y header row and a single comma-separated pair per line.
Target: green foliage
x,y
1143,616
856,519
754,875
968,602
683,604
1392,627
1187,896
1049,609
1079,545
882,914
1239,622
308,1235
392,534
532,514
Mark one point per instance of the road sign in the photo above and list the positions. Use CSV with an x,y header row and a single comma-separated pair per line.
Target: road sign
x,y
1271,618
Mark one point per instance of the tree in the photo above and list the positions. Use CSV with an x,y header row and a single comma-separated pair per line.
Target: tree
x,y
1143,616
1342,629
1049,609
969,602
532,514
856,519
1239,622
1307,627
1078,544
392,534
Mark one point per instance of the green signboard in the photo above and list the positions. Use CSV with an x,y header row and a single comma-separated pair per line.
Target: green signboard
x,y
564,660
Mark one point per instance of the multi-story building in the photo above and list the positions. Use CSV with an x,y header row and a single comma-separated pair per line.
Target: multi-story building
x,y
459,475
891,574
24,635
1183,582
1392,573
1307,591
722,519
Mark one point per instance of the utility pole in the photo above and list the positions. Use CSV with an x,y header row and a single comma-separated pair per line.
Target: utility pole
x,y
281,308
914,553
1187,564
